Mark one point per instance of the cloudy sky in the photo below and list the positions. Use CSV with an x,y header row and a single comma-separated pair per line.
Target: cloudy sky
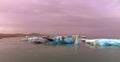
x,y
87,17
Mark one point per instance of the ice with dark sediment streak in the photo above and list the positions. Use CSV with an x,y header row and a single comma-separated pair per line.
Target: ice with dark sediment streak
x,y
109,42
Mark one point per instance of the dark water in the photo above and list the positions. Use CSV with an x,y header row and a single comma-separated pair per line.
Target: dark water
x,y
13,50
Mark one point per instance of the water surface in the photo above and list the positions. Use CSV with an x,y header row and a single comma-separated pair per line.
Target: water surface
x,y
14,50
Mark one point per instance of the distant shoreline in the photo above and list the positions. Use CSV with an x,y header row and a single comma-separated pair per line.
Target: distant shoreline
x,y
2,35
18,35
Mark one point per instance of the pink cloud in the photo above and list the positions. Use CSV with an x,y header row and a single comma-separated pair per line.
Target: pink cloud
x,y
60,16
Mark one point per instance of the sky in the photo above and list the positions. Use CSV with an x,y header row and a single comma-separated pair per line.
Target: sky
x,y
97,18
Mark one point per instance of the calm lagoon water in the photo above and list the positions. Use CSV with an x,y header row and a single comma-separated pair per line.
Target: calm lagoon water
x,y
14,50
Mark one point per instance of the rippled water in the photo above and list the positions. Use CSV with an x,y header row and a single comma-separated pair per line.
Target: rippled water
x,y
14,50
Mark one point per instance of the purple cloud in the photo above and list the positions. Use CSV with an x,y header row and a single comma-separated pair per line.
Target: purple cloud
x,y
87,17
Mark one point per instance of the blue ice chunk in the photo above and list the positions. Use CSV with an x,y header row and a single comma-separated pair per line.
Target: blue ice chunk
x,y
69,40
